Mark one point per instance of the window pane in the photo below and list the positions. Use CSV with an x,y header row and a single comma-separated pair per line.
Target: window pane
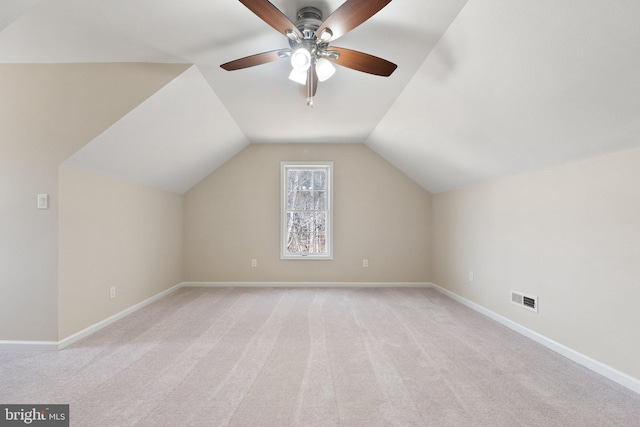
x,y
300,179
306,232
320,180
300,200
305,180
320,200
292,178
307,200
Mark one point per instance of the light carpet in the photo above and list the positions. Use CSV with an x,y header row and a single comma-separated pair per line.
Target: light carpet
x,y
313,357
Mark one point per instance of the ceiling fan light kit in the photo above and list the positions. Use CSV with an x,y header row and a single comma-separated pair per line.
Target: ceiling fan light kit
x,y
324,69
298,76
301,59
309,37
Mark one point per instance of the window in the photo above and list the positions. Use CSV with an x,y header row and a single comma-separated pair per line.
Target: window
x,y
306,210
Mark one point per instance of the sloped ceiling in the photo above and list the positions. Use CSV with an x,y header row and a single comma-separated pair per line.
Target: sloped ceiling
x,y
483,88
518,85
179,135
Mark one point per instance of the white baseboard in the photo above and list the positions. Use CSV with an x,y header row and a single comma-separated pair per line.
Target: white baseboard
x,y
621,378
106,322
307,284
607,371
58,345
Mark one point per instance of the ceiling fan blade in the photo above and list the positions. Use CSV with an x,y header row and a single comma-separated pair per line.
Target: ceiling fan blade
x,y
348,16
272,16
253,60
363,62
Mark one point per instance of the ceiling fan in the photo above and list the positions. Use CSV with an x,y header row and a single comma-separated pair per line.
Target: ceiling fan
x,y
309,37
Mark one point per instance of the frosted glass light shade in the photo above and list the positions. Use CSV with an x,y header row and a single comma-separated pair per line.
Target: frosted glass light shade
x,y
301,59
324,69
298,76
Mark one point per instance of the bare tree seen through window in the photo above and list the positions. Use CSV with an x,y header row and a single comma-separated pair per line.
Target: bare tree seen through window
x,y
306,210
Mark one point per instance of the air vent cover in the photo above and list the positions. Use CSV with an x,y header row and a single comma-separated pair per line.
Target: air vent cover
x,y
525,301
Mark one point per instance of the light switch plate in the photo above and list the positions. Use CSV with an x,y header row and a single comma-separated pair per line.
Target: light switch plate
x,y
43,201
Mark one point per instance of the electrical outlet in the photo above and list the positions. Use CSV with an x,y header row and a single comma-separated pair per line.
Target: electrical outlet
x,y
471,276
365,263
112,292
254,263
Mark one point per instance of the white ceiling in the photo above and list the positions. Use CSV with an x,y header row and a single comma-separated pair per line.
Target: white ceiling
x,y
483,88
181,134
527,84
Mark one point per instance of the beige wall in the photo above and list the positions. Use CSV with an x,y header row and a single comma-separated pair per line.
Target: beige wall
x,y
569,235
379,214
47,112
113,233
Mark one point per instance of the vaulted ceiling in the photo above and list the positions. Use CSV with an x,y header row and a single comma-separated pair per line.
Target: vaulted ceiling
x,y
483,88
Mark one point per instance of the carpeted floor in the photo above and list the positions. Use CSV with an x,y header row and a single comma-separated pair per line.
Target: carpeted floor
x,y
313,357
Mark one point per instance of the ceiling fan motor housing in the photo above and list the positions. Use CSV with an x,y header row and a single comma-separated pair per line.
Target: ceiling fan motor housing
x,y
308,20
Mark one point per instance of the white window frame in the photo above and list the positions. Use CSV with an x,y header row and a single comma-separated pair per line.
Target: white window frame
x,y
284,167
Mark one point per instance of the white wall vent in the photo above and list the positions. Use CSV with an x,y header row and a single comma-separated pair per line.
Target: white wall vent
x,y
525,301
